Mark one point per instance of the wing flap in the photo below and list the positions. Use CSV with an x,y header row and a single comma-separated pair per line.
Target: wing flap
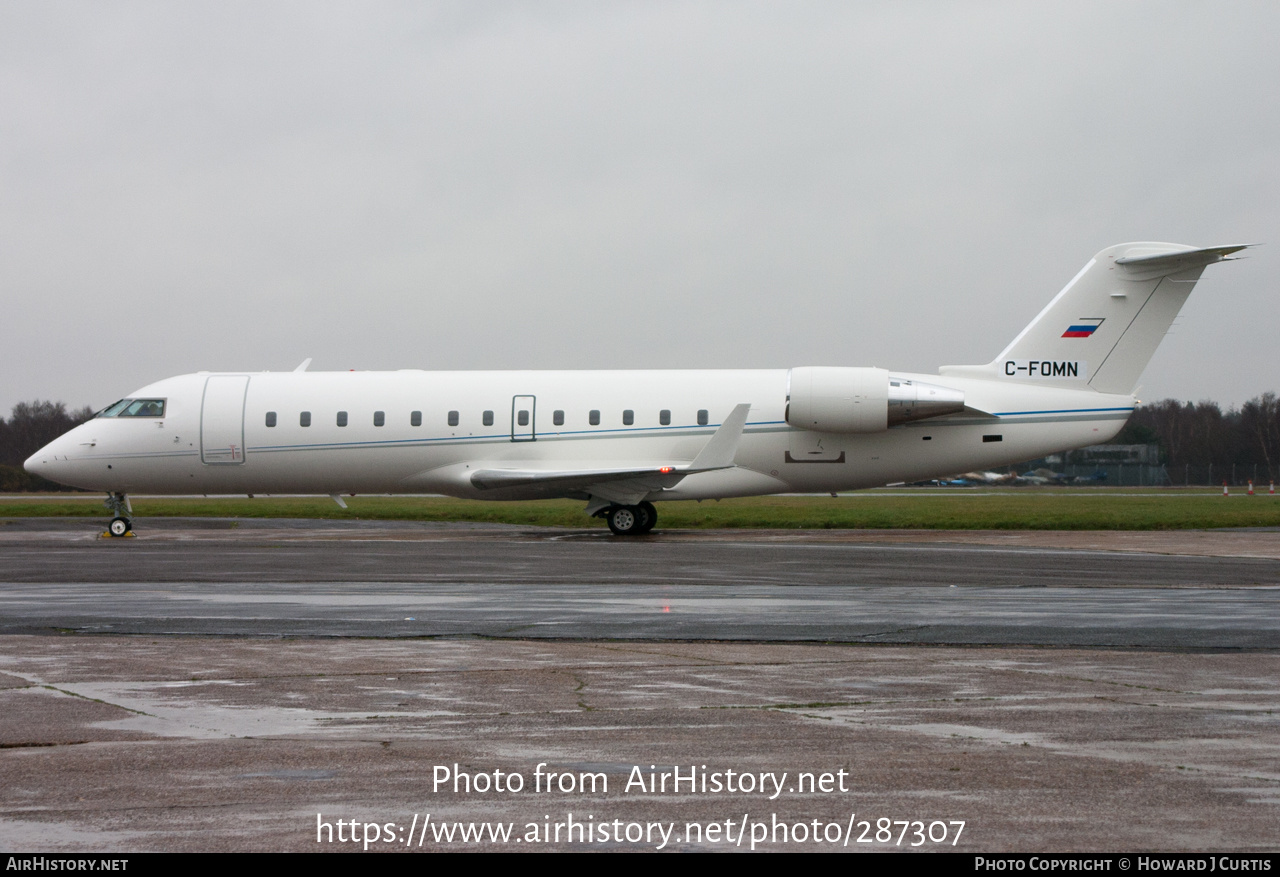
x,y
495,479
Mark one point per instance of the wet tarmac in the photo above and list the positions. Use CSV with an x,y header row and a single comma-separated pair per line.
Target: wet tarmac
x,y
374,579
209,687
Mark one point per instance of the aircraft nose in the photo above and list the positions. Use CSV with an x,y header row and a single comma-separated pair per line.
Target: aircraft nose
x,y
50,461
39,462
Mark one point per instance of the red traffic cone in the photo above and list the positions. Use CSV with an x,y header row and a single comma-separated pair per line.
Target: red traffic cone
x,y
1225,492
1251,488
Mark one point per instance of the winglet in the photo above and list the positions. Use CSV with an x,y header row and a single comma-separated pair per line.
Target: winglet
x,y
723,446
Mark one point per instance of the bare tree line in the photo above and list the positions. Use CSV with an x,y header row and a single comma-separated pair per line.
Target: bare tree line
x,y
1196,435
30,427
1190,434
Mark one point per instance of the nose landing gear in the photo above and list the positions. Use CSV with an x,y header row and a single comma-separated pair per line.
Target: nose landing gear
x,y
122,523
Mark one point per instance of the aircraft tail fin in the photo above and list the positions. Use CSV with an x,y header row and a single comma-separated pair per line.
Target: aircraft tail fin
x,y
1102,329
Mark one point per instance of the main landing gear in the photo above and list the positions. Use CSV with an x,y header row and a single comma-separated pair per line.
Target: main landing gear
x,y
122,523
631,520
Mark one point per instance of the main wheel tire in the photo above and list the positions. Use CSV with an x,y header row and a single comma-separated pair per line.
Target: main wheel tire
x,y
650,516
119,526
624,520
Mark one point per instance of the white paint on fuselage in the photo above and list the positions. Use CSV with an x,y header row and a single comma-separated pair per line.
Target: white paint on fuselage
x,y
1063,383
123,454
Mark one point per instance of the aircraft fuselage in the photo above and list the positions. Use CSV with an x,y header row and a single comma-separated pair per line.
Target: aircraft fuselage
x,y
214,436
623,440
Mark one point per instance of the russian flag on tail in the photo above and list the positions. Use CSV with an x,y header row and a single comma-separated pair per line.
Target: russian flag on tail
x,y
1083,328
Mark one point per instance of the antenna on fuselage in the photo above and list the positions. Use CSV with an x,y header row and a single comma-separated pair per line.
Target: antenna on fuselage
x,y
306,362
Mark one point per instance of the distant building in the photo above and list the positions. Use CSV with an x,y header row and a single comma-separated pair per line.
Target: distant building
x,y
1107,455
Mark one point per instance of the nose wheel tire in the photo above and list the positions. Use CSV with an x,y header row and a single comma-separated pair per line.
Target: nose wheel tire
x,y
121,514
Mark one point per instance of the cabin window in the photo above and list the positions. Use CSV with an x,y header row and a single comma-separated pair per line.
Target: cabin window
x,y
557,417
664,417
342,418
304,419
271,418
993,438
453,418
379,418
415,418
594,418
488,418
522,418
703,419
628,417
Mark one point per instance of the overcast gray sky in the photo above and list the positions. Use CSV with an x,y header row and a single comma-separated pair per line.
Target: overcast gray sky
x,y
232,186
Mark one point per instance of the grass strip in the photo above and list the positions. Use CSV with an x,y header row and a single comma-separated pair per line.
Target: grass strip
x,y
1024,509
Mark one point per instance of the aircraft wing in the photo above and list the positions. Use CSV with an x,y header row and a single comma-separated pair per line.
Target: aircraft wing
x,y
626,486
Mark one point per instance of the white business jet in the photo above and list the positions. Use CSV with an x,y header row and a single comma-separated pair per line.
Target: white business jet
x,y
624,440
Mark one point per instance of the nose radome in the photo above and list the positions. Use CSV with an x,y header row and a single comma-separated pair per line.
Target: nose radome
x,y
41,462
50,460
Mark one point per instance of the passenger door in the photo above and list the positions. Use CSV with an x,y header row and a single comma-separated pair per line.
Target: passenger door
x,y
222,419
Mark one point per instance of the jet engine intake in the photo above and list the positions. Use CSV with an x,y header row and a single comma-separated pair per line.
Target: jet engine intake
x,y
862,400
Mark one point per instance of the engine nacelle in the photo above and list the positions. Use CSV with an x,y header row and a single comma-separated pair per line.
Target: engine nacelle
x,y
856,400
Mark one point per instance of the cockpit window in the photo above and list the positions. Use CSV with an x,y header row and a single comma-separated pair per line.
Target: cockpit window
x,y
144,408
115,408
135,408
